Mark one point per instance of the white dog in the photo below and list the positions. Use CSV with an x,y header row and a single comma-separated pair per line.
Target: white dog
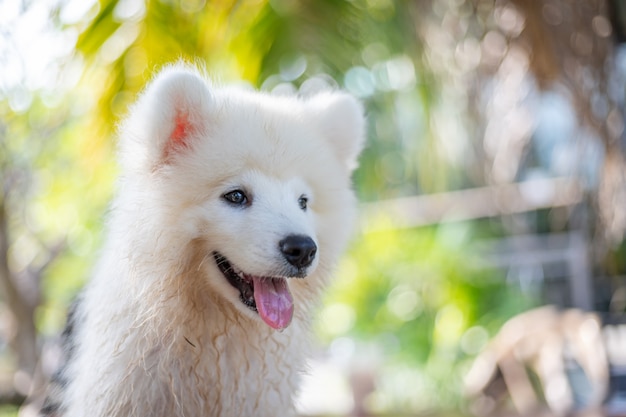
x,y
232,209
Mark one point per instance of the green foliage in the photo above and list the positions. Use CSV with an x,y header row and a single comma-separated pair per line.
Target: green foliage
x,y
8,411
402,279
425,301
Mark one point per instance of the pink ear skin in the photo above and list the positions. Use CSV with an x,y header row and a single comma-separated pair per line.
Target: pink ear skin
x,y
179,136
181,130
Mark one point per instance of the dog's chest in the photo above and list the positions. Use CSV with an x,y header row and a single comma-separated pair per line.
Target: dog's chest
x,y
250,373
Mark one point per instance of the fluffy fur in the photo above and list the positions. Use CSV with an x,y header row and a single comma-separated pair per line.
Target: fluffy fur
x,y
159,330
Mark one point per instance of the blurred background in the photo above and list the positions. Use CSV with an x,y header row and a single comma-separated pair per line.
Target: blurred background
x,y
488,274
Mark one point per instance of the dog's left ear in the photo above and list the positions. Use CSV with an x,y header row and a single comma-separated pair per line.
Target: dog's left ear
x,y
342,120
172,112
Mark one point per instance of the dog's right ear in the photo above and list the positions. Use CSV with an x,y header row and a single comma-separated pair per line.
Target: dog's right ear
x,y
171,114
342,121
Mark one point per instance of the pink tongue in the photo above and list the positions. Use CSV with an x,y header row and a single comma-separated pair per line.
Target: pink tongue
x,y
273,301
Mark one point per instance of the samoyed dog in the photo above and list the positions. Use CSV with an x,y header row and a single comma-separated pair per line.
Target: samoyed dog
x,y
232,209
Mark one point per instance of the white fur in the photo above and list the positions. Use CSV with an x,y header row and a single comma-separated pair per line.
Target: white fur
x,y
160,332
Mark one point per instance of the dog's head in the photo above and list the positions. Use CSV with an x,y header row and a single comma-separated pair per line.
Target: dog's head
x,y
261,181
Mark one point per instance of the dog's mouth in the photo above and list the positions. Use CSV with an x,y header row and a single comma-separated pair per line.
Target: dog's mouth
x,y
267,296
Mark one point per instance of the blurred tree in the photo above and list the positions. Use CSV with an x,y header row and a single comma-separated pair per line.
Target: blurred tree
x,y
496,48
45,230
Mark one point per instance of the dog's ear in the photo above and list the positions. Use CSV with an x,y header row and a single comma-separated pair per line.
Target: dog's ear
x,y
169,116
342,121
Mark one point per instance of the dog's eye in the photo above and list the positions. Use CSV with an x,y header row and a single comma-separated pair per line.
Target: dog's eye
x,y
236,197
302,202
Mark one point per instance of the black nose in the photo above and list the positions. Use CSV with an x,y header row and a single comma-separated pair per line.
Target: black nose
x,y
298,250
